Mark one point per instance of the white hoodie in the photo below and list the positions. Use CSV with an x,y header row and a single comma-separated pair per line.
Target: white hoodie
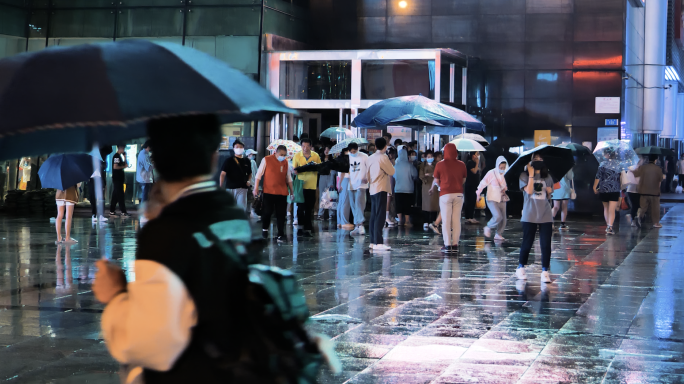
x,y
358,171
494,181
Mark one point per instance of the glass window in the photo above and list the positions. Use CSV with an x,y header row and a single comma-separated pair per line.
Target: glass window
x,y
38,24
315,80
288,7
82,3
82,23
150,22
225,2
152,3
444,82
238,21
286,26
240,52
12,21
382,79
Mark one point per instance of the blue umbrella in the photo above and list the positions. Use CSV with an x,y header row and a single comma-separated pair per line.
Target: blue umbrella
x,y
60,100
417,111
65,171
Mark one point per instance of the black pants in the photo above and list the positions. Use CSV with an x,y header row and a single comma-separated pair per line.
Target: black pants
x,y
529,232
668,182
118,197
92,196
277,204
146,187
681,180
377,217
470,199
305,211
634,203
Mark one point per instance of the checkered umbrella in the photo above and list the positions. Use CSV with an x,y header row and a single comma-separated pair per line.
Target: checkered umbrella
x,y
292,147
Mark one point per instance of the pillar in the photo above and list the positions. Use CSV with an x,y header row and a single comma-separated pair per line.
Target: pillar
x,y
654,70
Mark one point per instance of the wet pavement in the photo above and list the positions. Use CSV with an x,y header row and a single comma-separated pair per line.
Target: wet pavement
x,y
613,313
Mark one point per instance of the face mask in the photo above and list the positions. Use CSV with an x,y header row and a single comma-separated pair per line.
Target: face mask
x,y
239,151
430,160
413,158
501,171
422,159
281,158
353,154
537,164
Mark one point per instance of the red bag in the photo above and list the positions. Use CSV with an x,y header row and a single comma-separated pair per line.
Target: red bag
x,y
623,201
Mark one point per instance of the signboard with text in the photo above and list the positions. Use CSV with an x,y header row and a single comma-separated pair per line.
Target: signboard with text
x,y
607,105
607,133
542,137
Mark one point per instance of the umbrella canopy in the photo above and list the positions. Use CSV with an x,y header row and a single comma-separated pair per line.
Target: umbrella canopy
x,y
415,111
467,145
617,155
577,149
507,142
655,151
337,148
65,99
65,171
474,137
292,147
558,160
334,132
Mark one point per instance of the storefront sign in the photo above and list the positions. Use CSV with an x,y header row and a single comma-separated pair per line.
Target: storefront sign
x,y
607,133
372,134
542,137
402,133
611,121
607,105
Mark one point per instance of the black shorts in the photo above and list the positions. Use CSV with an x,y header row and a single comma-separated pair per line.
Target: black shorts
x,y
402,202
609,196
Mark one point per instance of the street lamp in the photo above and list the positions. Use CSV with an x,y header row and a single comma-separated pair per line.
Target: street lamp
x,y
403,4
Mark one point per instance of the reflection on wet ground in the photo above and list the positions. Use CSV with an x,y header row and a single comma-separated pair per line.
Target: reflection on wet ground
x,y
613,313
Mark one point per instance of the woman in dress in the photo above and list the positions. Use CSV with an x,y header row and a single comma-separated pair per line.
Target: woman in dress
x,y
496,186
607,186
562,196
65,200
536,185
430,203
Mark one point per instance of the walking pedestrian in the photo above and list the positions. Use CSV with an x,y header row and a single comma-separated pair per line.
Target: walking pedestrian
x,y
236,175
326,182
251,155
497,198
145,173
561,197
472,181
358,187
680,169
119,163
380,171
305,211
277,180
430,202
650,176
450,176
537,186
184,293
66,200
92,192
670,168
405,175
343,203
607,185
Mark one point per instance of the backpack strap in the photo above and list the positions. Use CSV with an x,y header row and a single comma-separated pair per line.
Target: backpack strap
x,y
227,248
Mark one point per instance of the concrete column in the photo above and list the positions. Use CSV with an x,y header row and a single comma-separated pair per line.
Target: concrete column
x,y
670,111
654,69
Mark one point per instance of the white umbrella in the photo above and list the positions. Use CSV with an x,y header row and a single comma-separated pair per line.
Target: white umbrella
x,y
473,136
337,148
334,132
467,145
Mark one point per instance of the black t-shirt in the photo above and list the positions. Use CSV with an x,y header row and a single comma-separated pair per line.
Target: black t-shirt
x,y
472,179
237,172
118,174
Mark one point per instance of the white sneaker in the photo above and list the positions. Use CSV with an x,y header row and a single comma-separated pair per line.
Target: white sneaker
x,y
103,219
295,222
371,246
358,231
381,247
94,219
254,216
487,232
426,226
520,273
545,277
499,237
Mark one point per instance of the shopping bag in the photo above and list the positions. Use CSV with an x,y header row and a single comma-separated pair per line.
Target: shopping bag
x,y
298,186
480,203
326,202
624,205
333,195
258,204
678,189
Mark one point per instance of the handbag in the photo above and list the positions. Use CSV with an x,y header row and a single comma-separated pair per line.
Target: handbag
x,y
623,202
480,203
298,193
258,204
333,194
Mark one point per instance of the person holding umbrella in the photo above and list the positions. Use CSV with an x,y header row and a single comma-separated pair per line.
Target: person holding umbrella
x,y
119,163
607,185
537,185
650,177
472,181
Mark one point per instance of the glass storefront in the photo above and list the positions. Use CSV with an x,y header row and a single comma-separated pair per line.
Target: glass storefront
x,y
383,79
315,80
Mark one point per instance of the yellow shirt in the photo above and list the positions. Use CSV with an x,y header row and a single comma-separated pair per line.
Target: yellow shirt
x,y
309,178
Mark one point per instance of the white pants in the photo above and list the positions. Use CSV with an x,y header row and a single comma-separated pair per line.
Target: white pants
x,y
450,206
240,195
498,220
357,200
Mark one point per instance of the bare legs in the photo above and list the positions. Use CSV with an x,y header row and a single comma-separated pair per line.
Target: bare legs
x,y
58,222
69,218
560,205
609,212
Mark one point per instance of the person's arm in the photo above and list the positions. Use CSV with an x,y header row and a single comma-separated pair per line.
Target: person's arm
x,y
475,168
386,166
260,174
222,179
150,325
483,184
596,183
435,180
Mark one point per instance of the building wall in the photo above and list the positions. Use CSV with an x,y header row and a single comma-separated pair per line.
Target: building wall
x,y
542,62
634,60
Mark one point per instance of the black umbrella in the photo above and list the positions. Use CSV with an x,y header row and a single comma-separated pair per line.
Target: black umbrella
x,y
655,151
507,142
67,99
558,160
577,149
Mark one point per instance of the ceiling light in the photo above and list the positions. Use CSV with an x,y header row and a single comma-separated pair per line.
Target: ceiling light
x,y
403,4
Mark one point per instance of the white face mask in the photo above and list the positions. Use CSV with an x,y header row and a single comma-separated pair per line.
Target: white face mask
x,y
502,170
353,154
281,158
413,158
239,151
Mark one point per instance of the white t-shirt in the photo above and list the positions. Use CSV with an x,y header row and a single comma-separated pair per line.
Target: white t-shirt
x,y
358,171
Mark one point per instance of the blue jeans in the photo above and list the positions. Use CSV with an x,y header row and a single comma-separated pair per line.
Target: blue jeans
x,y
343,203
357,200
529,232
377,217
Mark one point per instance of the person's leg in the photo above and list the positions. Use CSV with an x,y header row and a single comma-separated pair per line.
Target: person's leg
x,y
114,199
374,217
146,191
456,219
268,204
643,207
445,208
310,197
241,198
496,214
281,213
122,199
564,212
469,203
58,221
359,206
545,233
379,224
606,205
654,204
611,212
529,231
343,205
634,201
91,197
322,188
502,224
556,208
67,226
438,220
681,180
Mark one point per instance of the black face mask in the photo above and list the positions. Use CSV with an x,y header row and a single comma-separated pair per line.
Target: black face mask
x,y
538,164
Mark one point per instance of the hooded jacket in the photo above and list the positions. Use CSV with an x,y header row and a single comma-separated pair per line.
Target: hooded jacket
x,y
494,182
451,172
405,173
